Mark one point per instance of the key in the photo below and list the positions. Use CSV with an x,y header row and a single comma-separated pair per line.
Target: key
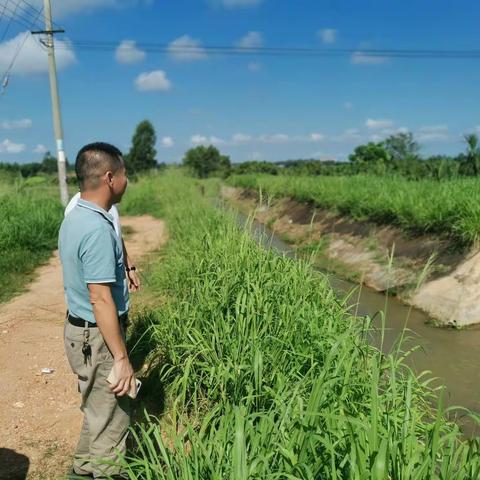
x,y
87,353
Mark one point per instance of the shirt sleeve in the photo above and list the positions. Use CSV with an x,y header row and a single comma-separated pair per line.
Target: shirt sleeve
x,y
97,254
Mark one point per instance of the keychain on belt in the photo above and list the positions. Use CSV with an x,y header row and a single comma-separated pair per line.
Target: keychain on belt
x,y
86,349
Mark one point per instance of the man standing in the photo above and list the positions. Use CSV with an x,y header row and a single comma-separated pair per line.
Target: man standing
x,y
132,277
96,292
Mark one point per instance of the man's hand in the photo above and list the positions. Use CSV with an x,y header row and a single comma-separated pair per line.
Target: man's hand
x,y
132,277
125,378
133,281
106,316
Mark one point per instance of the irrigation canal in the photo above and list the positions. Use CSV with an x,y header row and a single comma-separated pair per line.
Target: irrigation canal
x,y
452,356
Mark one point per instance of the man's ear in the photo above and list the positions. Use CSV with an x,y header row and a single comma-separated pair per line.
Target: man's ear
x,y
109,177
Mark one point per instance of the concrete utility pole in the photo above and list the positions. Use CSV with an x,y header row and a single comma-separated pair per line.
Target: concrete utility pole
x,y
57,119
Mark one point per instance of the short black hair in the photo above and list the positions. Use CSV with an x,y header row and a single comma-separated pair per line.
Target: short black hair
x,y
93,160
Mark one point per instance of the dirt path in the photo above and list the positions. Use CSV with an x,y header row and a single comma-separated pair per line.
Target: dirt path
x,y
40,417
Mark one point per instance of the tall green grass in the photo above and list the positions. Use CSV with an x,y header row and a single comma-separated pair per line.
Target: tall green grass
x,y
450,208
266,375
29,220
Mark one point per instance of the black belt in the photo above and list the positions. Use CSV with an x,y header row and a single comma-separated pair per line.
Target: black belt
x,y
80,322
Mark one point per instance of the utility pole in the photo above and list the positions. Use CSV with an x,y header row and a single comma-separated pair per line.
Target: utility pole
x,y
57,119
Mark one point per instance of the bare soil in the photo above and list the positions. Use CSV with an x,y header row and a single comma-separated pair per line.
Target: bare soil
x,y
40,414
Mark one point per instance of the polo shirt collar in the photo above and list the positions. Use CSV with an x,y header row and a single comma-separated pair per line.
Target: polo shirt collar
x,y
93,206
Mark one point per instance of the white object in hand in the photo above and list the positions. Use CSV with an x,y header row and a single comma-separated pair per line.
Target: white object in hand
x,y
113,380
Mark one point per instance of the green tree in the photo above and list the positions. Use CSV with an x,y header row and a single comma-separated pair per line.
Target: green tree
x,y
401,146
440,167
254,167
49,163
372,157
472,156
205,161
142,154
404,153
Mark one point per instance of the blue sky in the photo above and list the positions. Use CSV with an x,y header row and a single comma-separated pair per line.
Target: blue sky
x,y
251,107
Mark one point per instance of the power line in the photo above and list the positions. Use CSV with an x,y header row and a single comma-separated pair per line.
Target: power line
x,y
17,52
36,13
23,13
3,11
29,13
91,45
9,22
13,15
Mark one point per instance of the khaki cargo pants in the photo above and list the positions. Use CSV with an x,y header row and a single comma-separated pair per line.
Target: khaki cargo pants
x,y
106,417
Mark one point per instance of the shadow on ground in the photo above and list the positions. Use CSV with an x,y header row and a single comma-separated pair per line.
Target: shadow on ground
x,y
141,344
13,465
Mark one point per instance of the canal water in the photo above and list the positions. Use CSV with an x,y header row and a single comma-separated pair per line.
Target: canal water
x,y
452,356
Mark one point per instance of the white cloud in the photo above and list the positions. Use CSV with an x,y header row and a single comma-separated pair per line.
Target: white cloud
x,y
237,3
250,40
349,135
199,139
361,57
433,132
393,131
378,123
153,81
382,133
241,138
216,140
186,49
14,124
317,137
40,149
203,140
327,35
33,56
275,138
8,146
255,66
127,52
167,142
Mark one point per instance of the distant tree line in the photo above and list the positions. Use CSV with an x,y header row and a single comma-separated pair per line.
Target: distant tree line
x,y
397,155
400,154
47,166
140,157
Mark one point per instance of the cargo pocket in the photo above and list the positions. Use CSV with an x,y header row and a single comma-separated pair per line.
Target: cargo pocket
x,y
73,341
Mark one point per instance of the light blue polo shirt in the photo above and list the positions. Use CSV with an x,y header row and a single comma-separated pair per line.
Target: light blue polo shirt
x,y
91,252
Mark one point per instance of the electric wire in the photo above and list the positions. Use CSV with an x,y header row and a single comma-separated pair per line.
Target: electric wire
x,y
9,22
3,11
20,45
35,13
24,14
13,16
90,45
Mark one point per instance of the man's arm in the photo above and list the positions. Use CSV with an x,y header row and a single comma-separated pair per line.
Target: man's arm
x,y
105,313
132,276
